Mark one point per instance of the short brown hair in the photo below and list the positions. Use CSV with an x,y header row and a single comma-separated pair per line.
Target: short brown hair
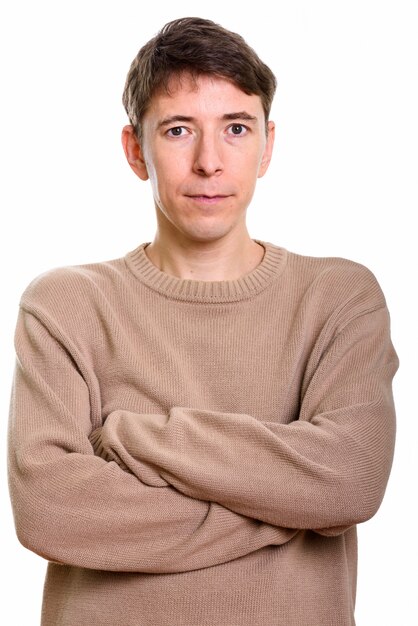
x,y
195,46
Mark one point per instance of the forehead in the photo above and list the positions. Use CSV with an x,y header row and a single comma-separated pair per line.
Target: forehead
x,y
201,95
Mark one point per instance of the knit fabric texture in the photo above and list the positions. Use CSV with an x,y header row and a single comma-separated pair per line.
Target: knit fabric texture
x,y
190,453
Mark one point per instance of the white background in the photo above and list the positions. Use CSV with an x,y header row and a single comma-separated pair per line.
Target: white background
x,y
343,181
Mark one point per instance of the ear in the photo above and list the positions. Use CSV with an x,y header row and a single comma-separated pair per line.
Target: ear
x,y
133,152
268,150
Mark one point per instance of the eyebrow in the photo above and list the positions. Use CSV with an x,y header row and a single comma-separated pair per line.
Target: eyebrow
x,y
239,115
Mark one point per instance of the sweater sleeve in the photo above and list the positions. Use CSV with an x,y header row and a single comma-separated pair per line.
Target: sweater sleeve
x,y
325,471
73,507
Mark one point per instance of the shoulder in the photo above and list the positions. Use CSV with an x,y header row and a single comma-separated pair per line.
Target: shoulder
x,y
336,275
332,287
69,290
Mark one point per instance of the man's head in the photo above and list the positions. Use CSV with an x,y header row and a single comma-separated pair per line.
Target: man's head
x,y
196,47
198,99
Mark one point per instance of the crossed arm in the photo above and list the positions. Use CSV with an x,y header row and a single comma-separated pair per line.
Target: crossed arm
x,y
326,471
202,487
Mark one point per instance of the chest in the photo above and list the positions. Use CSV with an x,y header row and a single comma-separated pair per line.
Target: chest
x,y
224,358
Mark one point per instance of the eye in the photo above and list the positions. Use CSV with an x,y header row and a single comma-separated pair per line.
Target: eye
x,y
237,129
176,131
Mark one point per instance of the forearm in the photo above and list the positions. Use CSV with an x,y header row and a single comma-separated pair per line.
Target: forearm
x,y
267,472
89,513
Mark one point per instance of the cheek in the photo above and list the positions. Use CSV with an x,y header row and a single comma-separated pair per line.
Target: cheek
x,y
245,173
153,179
246,163
165,186
168,175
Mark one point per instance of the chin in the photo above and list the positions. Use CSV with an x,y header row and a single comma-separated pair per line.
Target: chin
x,y
207,235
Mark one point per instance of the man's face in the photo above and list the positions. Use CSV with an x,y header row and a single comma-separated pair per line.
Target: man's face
x,y
203,147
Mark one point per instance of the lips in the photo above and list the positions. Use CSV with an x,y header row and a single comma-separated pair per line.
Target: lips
x,y
206,194
207,199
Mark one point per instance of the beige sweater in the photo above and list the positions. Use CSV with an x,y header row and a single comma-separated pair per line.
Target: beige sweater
x,y
191,453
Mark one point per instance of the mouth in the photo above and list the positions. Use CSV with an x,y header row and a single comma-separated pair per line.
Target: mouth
x,y
207,199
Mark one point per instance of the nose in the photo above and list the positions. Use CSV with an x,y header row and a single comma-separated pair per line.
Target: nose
x,y
208,158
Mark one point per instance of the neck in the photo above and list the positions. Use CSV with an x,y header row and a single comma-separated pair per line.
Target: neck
x,y
226,259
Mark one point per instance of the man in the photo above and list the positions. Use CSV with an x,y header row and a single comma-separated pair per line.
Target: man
x,y
197,428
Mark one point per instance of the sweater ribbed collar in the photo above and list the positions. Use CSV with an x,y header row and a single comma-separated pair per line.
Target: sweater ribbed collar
x,y
247,286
